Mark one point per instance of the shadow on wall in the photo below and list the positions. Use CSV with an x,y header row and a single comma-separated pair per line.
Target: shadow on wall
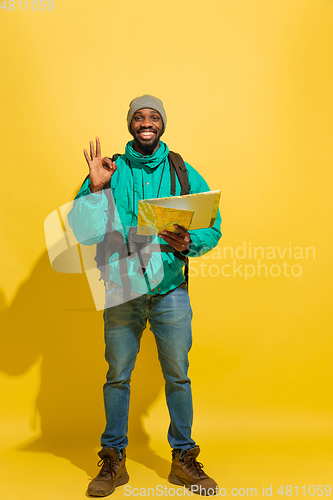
x,y
53,314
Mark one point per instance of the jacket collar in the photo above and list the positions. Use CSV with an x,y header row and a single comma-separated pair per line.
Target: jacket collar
x,y
152,161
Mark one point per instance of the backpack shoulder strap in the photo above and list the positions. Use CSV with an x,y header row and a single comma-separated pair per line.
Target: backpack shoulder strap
x,y
108,184
177,166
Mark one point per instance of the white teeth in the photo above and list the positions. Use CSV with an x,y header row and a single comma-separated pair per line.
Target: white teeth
x,y
146,134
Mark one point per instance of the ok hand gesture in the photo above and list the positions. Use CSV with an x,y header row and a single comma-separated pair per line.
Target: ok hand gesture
x,y
100,169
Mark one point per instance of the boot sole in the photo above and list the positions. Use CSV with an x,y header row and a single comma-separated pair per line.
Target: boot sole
x,y
172,478
122,480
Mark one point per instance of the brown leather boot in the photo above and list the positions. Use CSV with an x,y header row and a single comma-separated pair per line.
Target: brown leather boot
x,y
187,471
113,473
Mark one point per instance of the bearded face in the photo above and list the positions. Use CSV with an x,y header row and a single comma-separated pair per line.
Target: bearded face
x,y
146,128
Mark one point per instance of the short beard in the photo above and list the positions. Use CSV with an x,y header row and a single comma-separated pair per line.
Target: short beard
x,y
147,148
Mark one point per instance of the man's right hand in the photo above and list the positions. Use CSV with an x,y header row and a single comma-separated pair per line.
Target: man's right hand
x,y
100,169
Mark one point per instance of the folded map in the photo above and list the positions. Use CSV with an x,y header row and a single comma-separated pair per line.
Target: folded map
x,y
191,211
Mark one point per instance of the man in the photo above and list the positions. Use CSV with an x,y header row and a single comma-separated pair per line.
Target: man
x,y
143,172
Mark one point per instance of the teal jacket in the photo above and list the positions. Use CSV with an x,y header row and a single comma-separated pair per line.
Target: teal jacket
x,y
138,178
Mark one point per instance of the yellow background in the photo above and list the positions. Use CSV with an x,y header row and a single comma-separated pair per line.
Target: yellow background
x,y
247,87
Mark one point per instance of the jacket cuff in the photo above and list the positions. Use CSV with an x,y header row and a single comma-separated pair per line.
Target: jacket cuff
x,y
92,199
195,247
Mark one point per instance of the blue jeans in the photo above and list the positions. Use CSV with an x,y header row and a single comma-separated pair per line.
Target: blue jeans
x,y
170,321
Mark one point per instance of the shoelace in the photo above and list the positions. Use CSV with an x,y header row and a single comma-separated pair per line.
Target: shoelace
x,y
108,467
195,466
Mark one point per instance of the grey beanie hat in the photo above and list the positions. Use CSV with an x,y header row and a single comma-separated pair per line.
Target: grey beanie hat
x,y
146,101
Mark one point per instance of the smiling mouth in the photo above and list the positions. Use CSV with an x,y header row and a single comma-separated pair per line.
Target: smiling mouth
x,y
146,134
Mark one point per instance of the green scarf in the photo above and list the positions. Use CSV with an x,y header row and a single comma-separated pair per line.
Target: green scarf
x,y
152,161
